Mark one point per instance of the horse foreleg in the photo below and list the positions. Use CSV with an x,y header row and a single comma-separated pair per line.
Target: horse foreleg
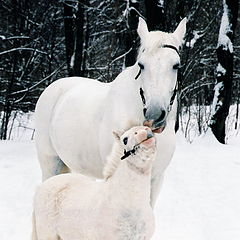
x,y
156,184
34,230
51,165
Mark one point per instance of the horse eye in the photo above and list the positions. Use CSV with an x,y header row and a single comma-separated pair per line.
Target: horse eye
x,y
141,66
125,140
176,66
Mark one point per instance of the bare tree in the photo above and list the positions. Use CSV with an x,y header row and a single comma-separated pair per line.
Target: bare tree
x,y
155,13
74,15
224,78
30,55
41,41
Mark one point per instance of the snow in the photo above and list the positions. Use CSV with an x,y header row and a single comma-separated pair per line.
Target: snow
x,y
19,175
21,126
72,60
199,199
200,196
220,70
223,39
160,3
196,36
216,102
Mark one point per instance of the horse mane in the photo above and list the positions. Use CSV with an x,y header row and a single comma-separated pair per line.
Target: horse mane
x,y
155,40
113,160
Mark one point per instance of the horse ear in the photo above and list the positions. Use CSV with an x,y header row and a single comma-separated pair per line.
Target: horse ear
x,y
181,31
142,29
117,135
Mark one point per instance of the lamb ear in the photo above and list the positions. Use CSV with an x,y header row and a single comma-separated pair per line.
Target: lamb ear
x,y
142,29
181,31
117,135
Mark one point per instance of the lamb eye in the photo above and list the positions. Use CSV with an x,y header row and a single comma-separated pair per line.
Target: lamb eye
x,y
125,140
176,66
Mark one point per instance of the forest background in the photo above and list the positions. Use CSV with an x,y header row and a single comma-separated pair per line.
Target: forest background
x,y
42,41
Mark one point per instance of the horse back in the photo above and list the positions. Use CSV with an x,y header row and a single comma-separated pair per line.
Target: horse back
x,y
45,106
68,115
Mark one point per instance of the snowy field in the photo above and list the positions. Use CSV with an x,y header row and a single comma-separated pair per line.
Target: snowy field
x,y
200,198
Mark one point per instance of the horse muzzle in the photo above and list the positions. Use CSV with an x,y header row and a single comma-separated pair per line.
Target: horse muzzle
x,y
156,120
154,128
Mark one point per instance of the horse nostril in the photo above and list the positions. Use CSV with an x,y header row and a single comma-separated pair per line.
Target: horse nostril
x,y
154,117
162,116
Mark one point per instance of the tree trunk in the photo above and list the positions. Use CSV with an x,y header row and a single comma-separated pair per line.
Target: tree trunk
x,y
224,79
74,35
79,39
131,35
156,19
69,34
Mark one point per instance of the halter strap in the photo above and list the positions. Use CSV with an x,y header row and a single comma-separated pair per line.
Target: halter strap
x,y
173,97
138,74
128,153
172,47
176,87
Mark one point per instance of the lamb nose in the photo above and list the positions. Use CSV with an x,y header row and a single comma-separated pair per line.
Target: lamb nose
x,y
149,134
148,123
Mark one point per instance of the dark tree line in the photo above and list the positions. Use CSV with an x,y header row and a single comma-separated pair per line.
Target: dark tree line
x,y
41,41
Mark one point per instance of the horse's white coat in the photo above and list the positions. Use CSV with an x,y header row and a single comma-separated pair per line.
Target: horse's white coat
x,y
72,206
75,116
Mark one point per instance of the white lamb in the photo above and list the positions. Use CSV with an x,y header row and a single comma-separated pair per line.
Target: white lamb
x,y
75,207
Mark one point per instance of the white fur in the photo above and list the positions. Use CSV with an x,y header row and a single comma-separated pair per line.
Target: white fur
x,y
73,207
75,116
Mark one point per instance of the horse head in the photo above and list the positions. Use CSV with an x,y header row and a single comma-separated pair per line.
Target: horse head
x,y
158,62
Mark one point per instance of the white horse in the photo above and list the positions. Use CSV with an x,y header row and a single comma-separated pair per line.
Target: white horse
x,y
73,206
75,116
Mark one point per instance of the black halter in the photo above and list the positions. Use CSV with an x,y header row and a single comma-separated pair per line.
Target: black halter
x,y
176,87
172,47
130,152
173,97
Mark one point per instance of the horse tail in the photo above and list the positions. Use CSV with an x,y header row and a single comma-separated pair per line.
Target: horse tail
x,y
34,230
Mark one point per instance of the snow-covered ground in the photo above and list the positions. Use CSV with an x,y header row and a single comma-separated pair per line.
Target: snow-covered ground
x,y
200,198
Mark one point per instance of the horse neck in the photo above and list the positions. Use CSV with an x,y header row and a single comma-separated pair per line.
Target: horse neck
x,y
130,181
125,100
125,84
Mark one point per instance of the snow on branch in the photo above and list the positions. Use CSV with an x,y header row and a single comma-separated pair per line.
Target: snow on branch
x,y
2,37
225,28
220,70
196,36
22,49
216,103
160,3
130,8
121,56
37,84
